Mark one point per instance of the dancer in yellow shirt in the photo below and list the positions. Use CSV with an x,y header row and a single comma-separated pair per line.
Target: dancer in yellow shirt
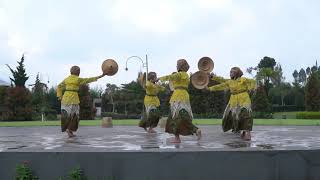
x,y
238,114
152,103
70,99
180,118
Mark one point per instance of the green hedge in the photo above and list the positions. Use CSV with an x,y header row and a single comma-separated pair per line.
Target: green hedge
x,y
262,115
121,116
207,115
308,115
287,108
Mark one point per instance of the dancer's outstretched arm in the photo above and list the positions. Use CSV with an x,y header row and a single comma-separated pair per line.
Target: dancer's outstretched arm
x,y
174,77
219,79
219,87
89,80
251,84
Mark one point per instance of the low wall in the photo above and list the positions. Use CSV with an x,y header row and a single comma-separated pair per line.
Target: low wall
x,y
202,165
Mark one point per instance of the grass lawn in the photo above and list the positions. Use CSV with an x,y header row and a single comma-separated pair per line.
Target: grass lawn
x,y
128,122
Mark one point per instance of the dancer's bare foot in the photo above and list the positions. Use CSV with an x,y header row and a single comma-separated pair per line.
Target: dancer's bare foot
x,y
242,134
246,135
199,134
151,131
176,140
70,134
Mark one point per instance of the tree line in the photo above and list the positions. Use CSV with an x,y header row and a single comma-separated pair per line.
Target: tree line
x,y
273,94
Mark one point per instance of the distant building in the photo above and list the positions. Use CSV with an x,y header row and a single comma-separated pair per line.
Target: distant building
x,y
97,105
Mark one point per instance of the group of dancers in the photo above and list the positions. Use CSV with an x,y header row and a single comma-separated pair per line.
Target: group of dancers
x,y
237,115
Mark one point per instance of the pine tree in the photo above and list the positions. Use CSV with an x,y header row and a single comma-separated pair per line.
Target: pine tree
x,y
39,97
19,75
312,93
53,101
18,98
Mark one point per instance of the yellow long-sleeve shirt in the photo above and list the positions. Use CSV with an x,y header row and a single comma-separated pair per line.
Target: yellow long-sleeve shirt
x,y
239,90
71,86
152,91
180,82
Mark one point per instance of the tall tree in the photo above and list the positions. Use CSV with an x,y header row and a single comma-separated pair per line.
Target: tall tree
x,y
277,77
295,75
108,97
314,69
312,93
39,96
298,95
308,71
133,99
302,77
266,72
19,75
53,100
96,92
267,62
87,112
260,102
281,91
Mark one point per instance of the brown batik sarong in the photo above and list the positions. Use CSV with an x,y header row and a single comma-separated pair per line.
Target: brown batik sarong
x,y
150,118
237,119
70,117
179,121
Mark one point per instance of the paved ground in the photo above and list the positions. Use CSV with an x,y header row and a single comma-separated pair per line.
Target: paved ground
x,y
123,138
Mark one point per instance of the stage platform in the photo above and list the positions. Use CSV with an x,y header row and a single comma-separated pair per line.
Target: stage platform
x,y
127,152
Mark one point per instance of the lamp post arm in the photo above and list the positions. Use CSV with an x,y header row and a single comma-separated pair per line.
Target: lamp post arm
x,y
134,57
146,65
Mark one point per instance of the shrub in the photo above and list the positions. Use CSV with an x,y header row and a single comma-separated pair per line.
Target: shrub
x,y
77,174
207,115
23,172
18,103
308,115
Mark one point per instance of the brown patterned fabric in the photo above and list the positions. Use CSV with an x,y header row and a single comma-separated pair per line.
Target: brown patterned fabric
x,y
244,121
70,117
150,120
181,124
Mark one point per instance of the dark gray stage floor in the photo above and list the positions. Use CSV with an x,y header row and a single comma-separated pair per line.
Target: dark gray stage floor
x,y
130,138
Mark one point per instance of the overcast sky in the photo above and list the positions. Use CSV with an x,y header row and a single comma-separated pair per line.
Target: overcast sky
x,y
56,34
